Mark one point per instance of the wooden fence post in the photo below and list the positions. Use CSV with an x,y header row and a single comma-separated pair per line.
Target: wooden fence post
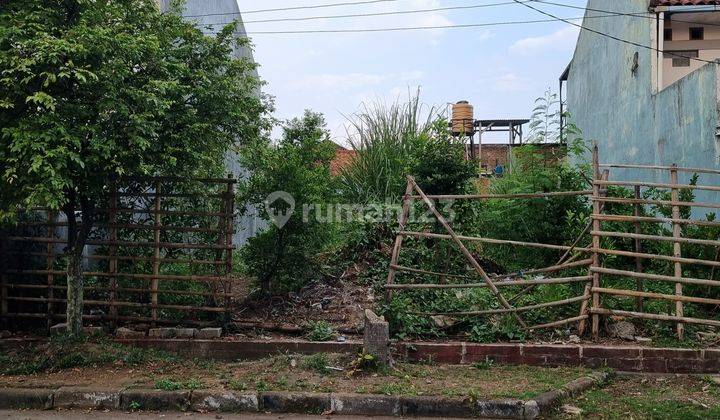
x,y
154,284
639,286
597,209
677,248
405,212
49,265
113,262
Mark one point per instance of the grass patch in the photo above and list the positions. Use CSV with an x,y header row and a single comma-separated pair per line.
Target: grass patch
x,y
655,398
170,384
66,352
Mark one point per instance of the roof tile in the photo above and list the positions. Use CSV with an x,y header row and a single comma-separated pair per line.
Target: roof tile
x,y
657,3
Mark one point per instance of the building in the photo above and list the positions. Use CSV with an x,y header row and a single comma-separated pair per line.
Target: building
x,y
210,16
652,98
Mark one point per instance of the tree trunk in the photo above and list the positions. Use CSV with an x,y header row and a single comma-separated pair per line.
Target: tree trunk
x,y
76,240
75,293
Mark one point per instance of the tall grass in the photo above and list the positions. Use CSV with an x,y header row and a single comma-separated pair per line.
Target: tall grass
x,y
388,139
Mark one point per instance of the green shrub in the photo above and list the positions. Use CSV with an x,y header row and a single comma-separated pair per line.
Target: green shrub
x,y
317,362
283,257
320,331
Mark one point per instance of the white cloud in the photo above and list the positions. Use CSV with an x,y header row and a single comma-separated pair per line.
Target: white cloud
x,y
561,40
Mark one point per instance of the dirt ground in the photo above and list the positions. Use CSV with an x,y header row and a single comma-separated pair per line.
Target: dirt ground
x,y
110,365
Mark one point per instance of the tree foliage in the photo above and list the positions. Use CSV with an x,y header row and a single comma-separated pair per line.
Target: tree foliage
x,y
282,257
95,89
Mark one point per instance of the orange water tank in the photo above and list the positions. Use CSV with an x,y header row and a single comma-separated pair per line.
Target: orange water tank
x,y
462,119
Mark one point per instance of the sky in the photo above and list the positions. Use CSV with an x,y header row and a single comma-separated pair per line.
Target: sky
x,y
501,70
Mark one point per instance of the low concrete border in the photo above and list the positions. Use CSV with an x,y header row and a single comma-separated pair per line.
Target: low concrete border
x,y
621,358
288,402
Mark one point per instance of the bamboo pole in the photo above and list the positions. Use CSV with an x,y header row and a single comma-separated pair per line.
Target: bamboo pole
x,y
402,221
671,185
663,168
551,269
677,250
147,244
638,248
493,241
154,281
657,317
595,244
559,323
632,274
507,310
621,218
464,250
122,304
559,280
659,238
119,289
623,200
191,277
505,196
674,298
673,259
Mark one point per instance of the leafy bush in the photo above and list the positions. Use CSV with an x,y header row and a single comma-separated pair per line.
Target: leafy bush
x,y
283,257
320,331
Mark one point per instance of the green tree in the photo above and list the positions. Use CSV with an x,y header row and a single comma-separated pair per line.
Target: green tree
x,y
95,89
299,168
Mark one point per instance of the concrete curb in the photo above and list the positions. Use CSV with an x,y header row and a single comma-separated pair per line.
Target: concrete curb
x,y
289,402
549,400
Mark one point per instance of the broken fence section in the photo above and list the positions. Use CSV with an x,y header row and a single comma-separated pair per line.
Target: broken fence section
x,y
598,277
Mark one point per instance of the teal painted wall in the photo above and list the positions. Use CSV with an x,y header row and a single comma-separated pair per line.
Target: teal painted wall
x,y
620,111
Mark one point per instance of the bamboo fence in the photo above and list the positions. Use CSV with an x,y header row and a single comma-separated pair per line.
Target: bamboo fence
x,y
161,253
599,278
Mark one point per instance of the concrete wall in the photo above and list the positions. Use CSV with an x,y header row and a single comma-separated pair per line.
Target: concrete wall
x,y
620,110
222,12
708,49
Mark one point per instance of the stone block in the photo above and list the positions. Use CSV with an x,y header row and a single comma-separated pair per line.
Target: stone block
x,y
58,329
127,333
185,332
436,407
500,409
208,333
376,337
161,333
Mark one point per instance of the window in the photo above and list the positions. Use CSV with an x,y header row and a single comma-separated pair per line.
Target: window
x,y
682,58
697,34
668,34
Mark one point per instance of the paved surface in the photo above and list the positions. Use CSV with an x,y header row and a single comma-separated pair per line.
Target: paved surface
x,y
98,415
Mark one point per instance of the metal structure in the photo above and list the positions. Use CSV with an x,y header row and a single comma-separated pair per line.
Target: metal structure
x,y
161,253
